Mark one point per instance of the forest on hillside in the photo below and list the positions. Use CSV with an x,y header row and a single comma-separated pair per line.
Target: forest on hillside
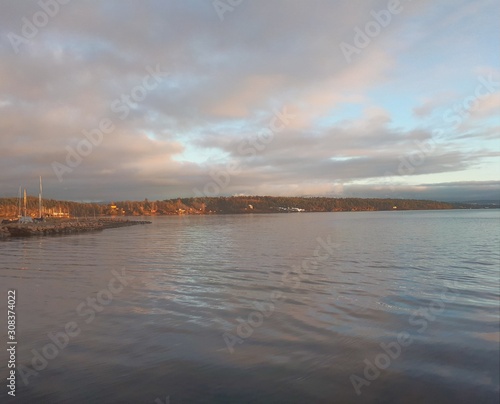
x,y
9,207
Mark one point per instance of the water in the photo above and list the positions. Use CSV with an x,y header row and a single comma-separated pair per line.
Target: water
x,y
170,328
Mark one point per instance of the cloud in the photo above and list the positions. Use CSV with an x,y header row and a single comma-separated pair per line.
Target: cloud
x,y
226,80
430,105
489,106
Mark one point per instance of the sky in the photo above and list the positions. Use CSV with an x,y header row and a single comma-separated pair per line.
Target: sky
x,y
126,100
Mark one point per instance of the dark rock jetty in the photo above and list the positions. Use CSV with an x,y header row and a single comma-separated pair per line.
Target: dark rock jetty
x,y
56,227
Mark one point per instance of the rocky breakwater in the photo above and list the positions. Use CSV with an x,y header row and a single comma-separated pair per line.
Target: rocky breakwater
x,y
113,223
3,232
66,227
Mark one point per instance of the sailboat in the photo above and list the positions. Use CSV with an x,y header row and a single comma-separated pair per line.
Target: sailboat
x,y
25,218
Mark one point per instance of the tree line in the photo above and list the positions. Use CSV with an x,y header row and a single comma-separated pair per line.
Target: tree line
x,y
9,207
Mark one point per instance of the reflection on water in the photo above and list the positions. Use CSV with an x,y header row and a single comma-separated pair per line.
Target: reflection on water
x,y
429,276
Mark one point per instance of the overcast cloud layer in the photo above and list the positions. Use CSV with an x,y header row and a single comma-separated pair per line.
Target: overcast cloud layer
x,y
202,97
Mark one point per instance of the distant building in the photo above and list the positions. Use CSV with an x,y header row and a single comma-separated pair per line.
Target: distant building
x,y
289,209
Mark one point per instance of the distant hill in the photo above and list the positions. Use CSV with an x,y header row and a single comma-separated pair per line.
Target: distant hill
x,y
483,204
223,205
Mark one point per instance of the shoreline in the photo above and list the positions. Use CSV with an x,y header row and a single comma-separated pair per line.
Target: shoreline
x,y
62,226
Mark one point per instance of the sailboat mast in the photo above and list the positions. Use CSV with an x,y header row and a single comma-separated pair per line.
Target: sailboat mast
x,y
25,202
40,200
20,198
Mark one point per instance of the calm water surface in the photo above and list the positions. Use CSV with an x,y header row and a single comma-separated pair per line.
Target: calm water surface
x,y
285,308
